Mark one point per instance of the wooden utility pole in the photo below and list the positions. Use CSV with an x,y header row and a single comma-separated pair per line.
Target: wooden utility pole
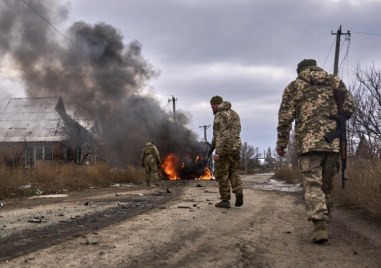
x,y
174,107
338,34
205,128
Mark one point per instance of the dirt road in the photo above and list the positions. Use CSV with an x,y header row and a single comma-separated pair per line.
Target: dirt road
x,y
135,226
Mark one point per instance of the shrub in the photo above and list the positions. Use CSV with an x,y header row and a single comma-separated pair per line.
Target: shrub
x,y
288,174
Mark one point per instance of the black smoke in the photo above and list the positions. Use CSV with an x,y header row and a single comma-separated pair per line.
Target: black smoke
x,y
98,75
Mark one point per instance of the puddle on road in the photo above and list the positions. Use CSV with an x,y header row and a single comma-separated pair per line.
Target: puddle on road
x,y
49,196
274,185
265,182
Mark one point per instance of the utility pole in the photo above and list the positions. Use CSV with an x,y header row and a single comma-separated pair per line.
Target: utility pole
x,y
174,107
338,34
205,128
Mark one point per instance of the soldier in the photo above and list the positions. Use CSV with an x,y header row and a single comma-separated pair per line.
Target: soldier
x,y
309,100
150,158
227,144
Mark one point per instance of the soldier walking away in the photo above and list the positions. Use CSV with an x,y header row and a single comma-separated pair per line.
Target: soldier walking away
x,y
150,158
310,101
227,143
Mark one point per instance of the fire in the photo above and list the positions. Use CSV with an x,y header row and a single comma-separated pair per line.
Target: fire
x,y
169,167
207,175
186,167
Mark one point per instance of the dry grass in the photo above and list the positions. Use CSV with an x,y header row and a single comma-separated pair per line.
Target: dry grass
x,y
61,177
288,174
363,188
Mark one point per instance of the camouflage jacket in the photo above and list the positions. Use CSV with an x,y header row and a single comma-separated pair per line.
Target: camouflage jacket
x,y
150,149
309,100
226,129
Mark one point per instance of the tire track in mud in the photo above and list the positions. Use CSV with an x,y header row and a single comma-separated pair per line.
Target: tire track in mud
x,y
30,240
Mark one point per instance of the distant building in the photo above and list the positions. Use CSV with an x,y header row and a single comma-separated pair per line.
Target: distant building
x,y
36,130
262,161
363,149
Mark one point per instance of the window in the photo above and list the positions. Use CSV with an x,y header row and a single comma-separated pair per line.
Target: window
x,y
48,153
39,153
43,153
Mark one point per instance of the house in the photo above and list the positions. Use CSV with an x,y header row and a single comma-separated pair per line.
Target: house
x,y
35,130
364,149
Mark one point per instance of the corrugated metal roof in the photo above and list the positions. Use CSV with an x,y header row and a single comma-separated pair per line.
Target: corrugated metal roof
x,y
33,119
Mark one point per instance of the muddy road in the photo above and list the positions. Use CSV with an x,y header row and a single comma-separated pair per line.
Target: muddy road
x,y
136,226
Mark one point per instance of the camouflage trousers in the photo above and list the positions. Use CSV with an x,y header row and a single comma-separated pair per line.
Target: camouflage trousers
x,y
318,170
152,171
227,176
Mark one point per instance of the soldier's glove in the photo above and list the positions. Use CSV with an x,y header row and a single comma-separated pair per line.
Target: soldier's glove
x,y
280,151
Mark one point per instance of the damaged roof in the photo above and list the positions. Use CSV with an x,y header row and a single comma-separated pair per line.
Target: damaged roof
x,y
33,120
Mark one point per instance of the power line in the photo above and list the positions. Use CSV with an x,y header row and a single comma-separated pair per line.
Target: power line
x,y
69,40
347,52
374,34
55,28
329,53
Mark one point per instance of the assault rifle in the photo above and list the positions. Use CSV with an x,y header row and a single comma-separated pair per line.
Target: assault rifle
x,y
340,132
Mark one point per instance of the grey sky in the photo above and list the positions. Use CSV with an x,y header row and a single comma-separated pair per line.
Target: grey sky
x,y
245,51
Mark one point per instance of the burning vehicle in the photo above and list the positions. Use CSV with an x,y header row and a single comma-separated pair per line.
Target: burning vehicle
x,y
193,165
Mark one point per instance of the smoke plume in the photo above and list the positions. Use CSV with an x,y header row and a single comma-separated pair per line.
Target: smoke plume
x,y
96,73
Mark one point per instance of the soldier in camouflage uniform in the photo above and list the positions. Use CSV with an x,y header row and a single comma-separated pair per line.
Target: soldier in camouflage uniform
x,y
309,100
227,144
150,158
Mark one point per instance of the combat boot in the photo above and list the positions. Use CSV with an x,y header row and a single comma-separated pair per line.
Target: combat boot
x,y
238,199
320,234
223,204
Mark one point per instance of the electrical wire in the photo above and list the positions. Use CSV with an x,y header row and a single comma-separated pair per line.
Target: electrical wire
x,y
346,53
72,42
53,27
374,34
330,50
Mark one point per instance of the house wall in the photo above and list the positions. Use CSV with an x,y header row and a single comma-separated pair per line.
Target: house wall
x,y
27,154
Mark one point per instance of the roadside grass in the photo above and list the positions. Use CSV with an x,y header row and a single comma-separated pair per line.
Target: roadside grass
x,y
288,174
57,178
363,187
362,190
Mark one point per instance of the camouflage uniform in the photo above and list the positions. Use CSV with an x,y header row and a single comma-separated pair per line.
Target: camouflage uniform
x,y
150,158
227,143
309,100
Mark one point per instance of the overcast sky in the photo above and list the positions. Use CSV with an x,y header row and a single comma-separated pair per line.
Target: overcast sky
x,y
245,51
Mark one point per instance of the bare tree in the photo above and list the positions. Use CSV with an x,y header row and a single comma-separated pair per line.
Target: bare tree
x,y
269,159
366,122
248,153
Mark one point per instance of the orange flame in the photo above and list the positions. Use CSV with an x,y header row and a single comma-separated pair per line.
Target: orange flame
x,y
207,175
169,166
